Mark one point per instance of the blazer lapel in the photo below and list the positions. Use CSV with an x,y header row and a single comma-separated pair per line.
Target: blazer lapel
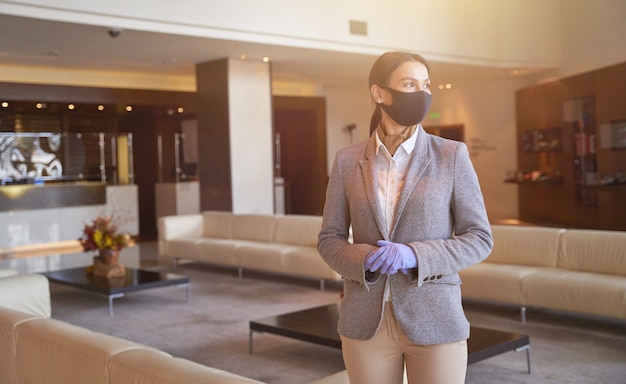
x,y
369,169
420,158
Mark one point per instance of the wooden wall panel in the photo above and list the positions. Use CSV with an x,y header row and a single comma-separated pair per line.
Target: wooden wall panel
x,y
568,202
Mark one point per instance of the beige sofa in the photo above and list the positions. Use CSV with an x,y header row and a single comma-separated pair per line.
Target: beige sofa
x,y
284,244
37,349
573,270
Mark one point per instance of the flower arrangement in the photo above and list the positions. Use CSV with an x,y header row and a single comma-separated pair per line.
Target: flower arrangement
x,y
102,234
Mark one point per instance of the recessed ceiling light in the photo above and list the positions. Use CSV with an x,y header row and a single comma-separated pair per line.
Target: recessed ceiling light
x,y
243,57
266,59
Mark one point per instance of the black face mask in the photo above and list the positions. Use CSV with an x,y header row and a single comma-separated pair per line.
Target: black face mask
x,y
408,108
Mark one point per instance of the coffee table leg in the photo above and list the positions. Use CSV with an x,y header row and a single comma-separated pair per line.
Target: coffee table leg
x,y
251,341
527,349
111,297
188,286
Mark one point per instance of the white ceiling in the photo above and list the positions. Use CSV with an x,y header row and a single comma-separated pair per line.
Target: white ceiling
x,y
43,43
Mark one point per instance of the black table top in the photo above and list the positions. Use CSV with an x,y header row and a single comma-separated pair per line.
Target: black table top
x,y
133,280
319,325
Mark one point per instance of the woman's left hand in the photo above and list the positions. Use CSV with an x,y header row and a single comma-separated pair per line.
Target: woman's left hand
x,y
391,258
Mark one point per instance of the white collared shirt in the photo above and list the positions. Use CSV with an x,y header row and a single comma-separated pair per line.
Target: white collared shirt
x,y
391,176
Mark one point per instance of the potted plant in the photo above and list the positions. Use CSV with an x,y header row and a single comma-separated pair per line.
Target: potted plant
x,y
103,235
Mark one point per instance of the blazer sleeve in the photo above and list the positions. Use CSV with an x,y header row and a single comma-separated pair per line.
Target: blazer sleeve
x,y
334,243
471,241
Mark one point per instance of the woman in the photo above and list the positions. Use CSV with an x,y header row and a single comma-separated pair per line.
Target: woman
x,y
413,203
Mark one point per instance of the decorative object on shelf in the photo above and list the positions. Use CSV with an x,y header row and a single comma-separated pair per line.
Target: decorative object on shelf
x,y
534,177
103,235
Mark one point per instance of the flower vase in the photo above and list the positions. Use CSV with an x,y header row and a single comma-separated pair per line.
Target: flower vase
x,y
106,264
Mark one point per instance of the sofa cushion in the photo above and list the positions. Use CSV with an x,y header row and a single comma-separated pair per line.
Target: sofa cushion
x,y
593,251
180,226
217,224
262,256
217,251
150,367
498,282
253,227
298,230
519,245
591,293
64,353
9,320
181,247
26,293
304,261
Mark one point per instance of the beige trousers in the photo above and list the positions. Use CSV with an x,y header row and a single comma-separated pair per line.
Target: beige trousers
x,y
382,358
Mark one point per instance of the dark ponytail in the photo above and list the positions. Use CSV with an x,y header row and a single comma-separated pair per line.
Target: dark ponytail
x,y
376,117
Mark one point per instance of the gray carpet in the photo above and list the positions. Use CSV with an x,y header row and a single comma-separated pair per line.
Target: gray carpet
x,y
213,330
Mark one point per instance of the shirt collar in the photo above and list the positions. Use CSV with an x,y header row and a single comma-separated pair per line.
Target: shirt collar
x,y
408,145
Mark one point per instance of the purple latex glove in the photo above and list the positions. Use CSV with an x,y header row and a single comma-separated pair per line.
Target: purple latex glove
x,y
391,258
371,256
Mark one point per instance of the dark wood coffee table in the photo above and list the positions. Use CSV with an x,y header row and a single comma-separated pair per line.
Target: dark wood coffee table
x,y
319,325
116,287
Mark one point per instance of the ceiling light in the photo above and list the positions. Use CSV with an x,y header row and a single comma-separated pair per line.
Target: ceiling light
x,y
5,104
129,108
266,59
243,57
180,110
100,107
71,107
40,105
448,86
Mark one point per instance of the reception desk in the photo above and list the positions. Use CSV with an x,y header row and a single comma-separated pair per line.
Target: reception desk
x,y
41,214
30,196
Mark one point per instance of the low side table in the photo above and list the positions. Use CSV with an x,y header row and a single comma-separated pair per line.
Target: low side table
x,y
116,287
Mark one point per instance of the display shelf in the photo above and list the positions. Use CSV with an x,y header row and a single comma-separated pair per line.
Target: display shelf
x,y
534,182
541,140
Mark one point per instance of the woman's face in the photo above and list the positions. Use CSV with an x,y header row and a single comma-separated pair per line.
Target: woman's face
x,y
410,76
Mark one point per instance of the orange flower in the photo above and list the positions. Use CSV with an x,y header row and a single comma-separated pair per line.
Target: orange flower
x,y
102,233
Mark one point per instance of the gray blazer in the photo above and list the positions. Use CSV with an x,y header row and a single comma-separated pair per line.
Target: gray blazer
x,y
440,215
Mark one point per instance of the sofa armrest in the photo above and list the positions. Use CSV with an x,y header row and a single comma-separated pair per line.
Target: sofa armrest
x,y
6,272
172,227
26,293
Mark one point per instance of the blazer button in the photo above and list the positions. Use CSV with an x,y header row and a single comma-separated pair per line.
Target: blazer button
x,y
426,279
439,276
432,278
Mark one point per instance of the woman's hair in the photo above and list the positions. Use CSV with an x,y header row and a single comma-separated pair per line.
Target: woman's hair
x,y
381,71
